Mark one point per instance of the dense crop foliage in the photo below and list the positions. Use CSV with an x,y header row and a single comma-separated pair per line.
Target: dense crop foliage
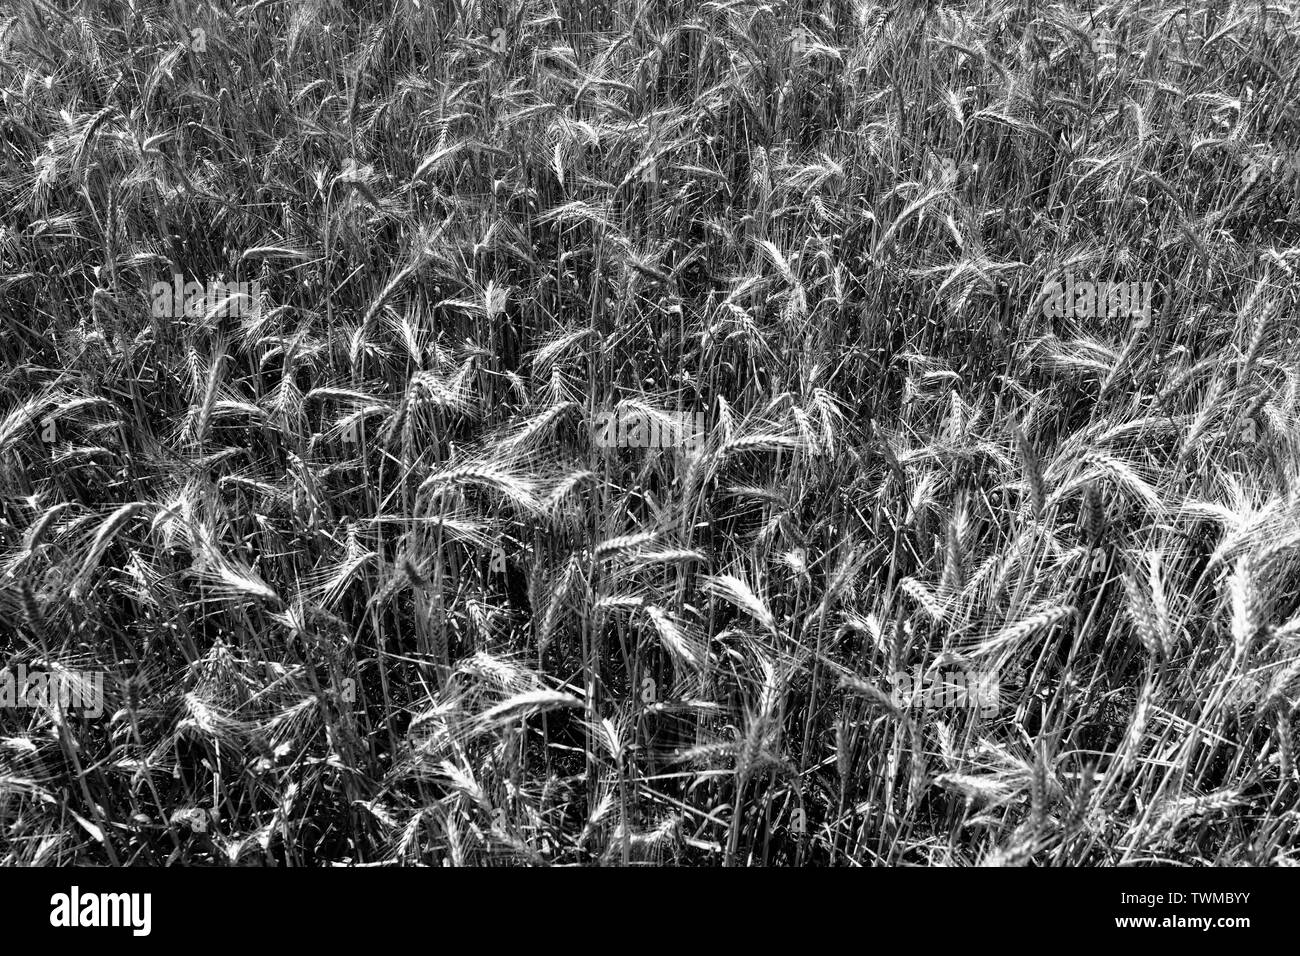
x,y
363,587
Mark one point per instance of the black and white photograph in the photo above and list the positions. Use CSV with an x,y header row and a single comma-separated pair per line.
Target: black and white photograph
x,y
690,434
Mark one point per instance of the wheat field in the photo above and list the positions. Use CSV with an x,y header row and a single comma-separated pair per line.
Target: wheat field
x,y
720,433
